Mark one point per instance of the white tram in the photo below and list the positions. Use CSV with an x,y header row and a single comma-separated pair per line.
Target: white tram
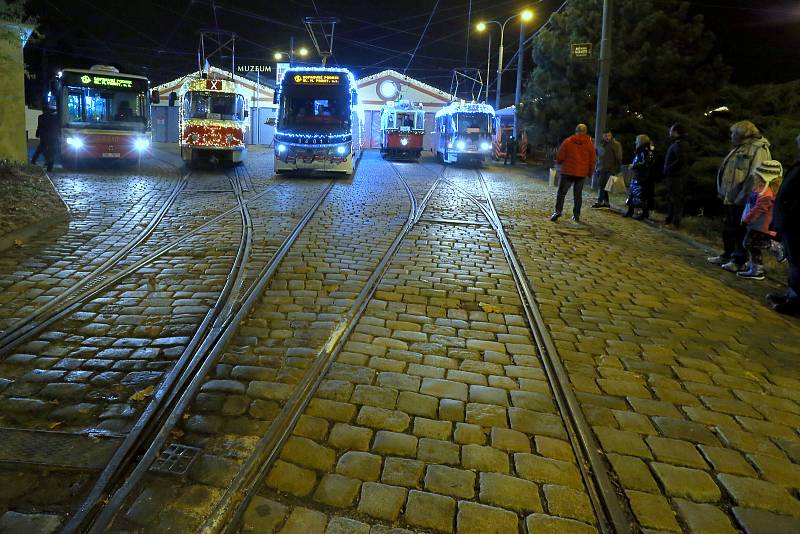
x,y
464,132
402,130
320,124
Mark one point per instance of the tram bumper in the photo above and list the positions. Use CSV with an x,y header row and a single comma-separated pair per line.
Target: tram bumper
x,y
312,159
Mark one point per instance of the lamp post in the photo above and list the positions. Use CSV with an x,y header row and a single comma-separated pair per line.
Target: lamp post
x,y
524,16
302,52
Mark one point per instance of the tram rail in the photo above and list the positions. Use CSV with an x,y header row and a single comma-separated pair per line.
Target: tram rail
x,y
170,400
22,330
99,280
228,514
612,515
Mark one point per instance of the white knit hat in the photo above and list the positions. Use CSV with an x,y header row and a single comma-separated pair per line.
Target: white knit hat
x,y
768,170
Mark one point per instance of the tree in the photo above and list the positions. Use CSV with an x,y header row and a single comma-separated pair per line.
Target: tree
x,y
663,67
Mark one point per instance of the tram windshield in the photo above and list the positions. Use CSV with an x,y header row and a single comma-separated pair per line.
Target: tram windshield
x,y
105,108
467,123
314,109
210,105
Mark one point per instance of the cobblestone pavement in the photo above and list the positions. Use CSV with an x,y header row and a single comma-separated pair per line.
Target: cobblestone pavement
x,y
437,415
94,371
106,208
691,384
303,303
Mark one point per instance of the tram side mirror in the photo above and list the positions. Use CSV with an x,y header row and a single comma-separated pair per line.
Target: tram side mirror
x,y
173,97
155,96
354,98
246,114
270,121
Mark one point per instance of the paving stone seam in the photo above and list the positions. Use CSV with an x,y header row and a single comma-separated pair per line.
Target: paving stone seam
x,y
200,355
612,512
228,512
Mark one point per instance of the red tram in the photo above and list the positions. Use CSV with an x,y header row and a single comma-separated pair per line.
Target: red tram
x,y
402,130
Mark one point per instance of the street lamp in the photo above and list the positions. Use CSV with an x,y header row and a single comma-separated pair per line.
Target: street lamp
x,y
524,16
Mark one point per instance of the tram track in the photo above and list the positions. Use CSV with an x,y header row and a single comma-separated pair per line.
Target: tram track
x,y
100,279
142,445
227,515
25,328
612,514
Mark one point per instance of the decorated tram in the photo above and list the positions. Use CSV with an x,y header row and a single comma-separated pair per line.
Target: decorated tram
x,y
402,130
464,132
103,114
320,124
212,121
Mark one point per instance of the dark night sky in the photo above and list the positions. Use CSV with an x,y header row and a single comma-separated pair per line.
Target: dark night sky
x,y
159,37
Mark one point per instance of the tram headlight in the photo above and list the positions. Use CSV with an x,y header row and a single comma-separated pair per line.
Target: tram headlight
x,y
485,146
281,149
341,150
141,144
461,145
404,141
75,142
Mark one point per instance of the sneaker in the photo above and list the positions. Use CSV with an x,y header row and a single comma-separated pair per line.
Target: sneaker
x,y
718,260
777,298
753,273
598,205
733,267
576,218
554,217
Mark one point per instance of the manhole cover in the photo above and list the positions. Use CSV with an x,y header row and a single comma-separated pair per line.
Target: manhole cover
x,y
175,460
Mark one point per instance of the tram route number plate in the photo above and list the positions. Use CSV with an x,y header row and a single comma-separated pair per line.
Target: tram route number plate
x,y
111,154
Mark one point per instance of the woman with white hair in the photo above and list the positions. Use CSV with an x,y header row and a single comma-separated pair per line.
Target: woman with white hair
x,y
734,183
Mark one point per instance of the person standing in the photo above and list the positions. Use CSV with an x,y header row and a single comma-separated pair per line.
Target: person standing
x,y
609,160
734,183
786,222
511,150
47,130
641,182
676,172
575,161
757,217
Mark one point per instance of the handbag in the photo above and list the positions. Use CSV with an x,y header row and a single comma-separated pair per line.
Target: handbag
x,y
616,184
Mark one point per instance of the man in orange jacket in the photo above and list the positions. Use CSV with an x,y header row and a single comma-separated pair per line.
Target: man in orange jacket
x,y
575,161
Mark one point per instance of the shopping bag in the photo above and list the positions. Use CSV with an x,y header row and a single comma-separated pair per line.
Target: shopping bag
x,y
552,177
615,184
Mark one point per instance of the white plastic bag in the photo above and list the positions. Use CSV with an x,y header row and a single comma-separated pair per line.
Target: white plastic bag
x,y
616,184
552,177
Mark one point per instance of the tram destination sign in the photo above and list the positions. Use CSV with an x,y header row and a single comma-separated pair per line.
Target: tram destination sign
x,y
316,79
98,80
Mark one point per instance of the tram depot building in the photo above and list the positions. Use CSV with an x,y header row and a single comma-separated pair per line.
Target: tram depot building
x,y
373,93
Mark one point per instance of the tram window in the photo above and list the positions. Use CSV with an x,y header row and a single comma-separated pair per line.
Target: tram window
x,y
74,108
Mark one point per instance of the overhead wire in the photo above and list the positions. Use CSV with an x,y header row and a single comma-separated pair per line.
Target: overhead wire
x,y
422,36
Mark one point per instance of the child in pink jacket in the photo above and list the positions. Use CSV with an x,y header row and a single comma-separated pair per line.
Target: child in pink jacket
x,y
757,216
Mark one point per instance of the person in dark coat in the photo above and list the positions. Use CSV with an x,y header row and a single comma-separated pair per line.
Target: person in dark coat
x,y
676,172
511,150
47,130
609,160
786,222
641,186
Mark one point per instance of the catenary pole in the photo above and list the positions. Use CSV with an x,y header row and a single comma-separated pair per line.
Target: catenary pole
x,y
605,69
499,70
518,91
